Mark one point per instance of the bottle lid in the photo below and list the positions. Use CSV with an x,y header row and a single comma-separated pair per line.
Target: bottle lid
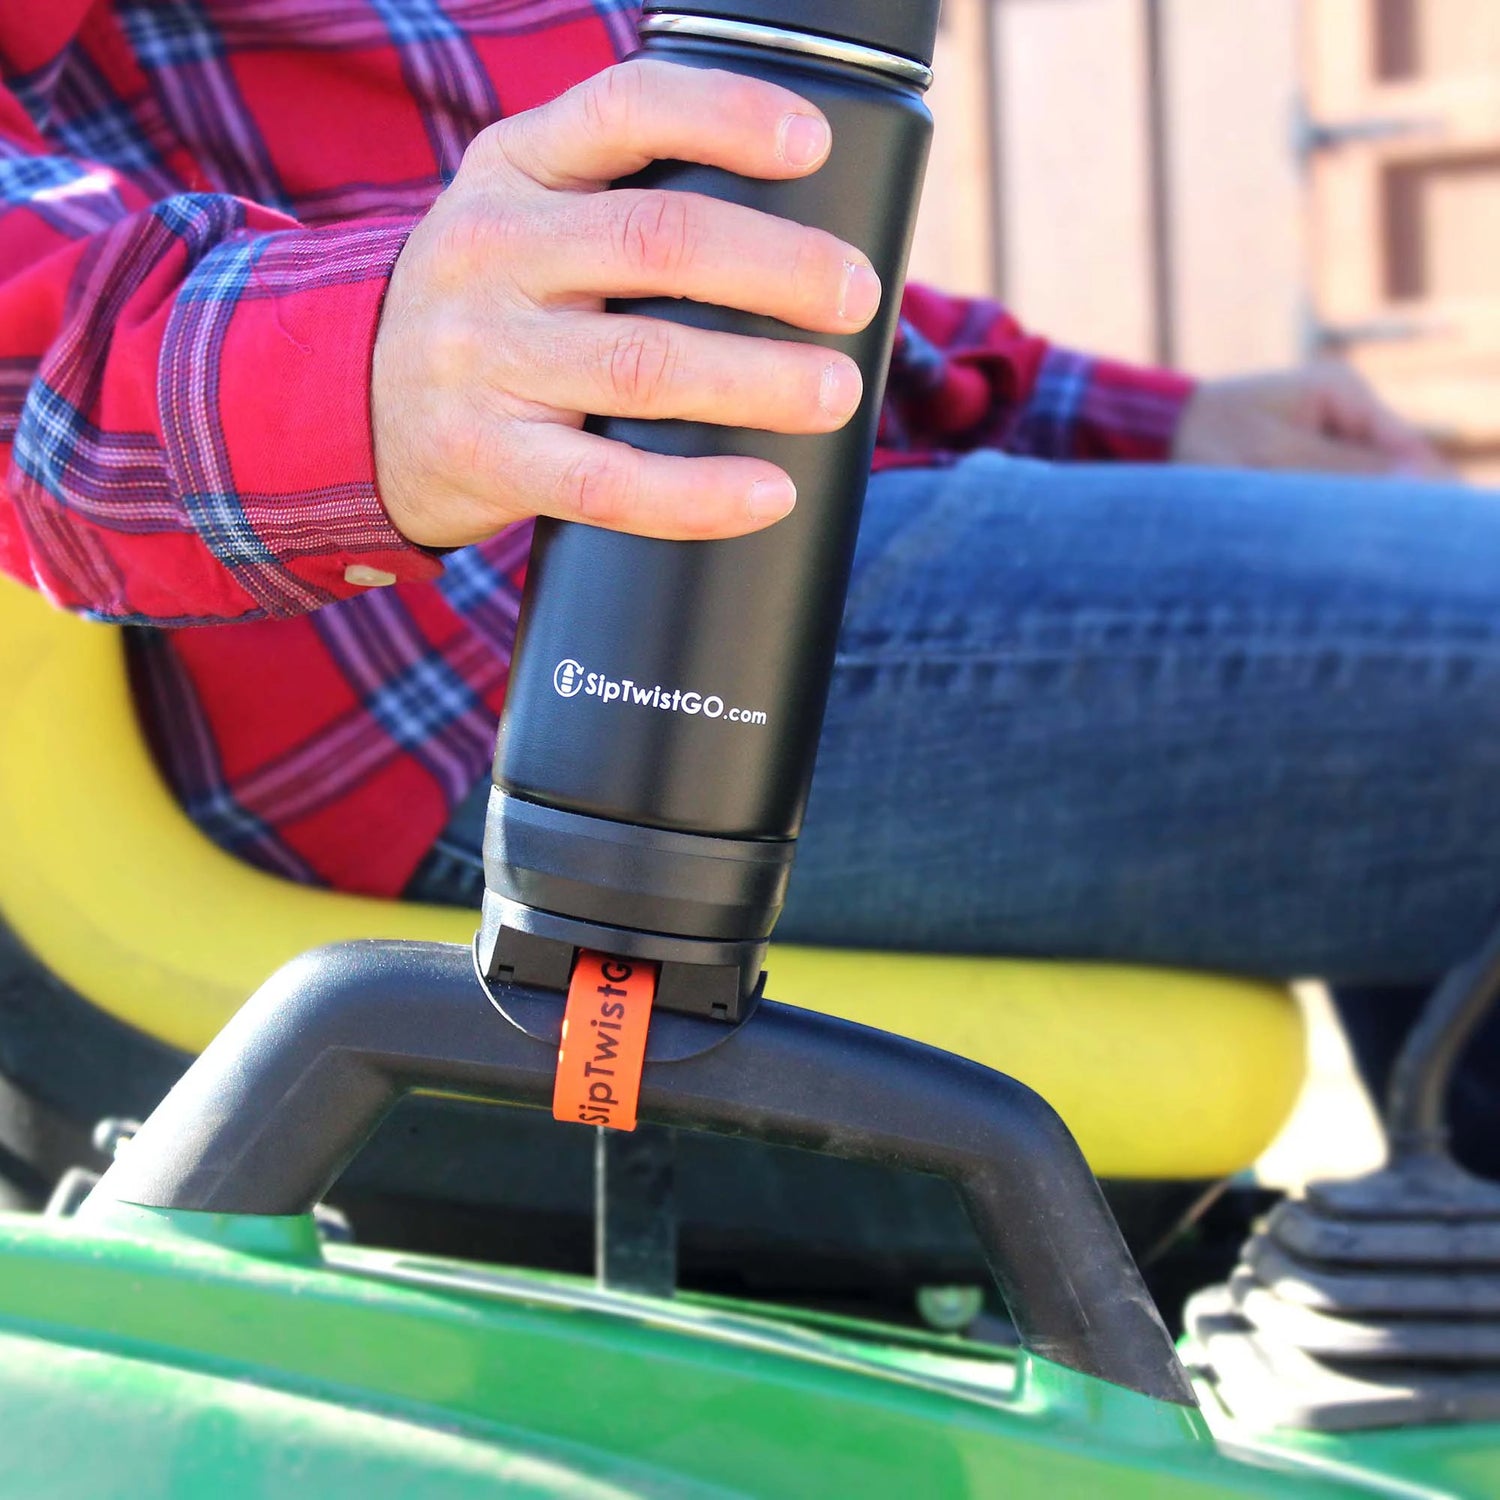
x,y
907,28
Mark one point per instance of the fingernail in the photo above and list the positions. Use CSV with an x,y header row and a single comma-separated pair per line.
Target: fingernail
x,y
771,499
842,388
805,140
861,296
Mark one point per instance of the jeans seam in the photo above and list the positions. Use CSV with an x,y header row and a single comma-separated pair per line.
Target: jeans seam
x,y
1001,656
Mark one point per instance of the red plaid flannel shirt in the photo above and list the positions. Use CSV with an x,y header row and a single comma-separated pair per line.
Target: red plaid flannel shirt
x,y
200,204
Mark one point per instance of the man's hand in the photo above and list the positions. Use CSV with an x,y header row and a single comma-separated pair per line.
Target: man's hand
x,y
494,342
1324,419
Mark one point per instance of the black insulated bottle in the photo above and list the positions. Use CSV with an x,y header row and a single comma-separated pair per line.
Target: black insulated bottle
x,y
666,698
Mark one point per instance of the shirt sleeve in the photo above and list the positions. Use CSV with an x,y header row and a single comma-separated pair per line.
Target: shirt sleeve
x,y
185,425
966,375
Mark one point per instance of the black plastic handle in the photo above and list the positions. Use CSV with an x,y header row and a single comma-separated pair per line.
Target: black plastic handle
x,y
267,1118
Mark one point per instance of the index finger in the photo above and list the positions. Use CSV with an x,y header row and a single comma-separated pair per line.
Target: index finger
x,y
621,120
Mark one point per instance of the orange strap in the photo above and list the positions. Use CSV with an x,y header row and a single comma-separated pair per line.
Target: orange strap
x,y
603,1051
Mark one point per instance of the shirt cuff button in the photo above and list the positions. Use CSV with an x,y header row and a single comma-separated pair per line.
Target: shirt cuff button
x,y
368,578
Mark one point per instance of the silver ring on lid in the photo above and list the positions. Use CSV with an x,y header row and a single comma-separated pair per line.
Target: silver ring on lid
x,y
828,48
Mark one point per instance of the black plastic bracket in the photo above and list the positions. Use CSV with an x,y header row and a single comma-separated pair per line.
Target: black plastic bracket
x,y
528,960
271,1113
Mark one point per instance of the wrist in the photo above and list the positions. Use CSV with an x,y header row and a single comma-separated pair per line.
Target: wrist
x,y
1112,411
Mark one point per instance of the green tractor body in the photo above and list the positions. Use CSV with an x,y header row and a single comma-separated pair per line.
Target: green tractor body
x,y
205,1357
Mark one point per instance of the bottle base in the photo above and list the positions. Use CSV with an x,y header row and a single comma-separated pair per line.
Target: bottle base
x,y
701,907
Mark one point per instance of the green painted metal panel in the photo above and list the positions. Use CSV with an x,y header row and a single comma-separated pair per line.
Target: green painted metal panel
x,y
1461,1462
191,1356
95,1426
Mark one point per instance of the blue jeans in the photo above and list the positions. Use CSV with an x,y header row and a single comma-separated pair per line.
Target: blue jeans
x,y
1222,720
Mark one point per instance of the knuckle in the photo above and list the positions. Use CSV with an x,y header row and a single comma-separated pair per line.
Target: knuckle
x,y
596,488
470,240
640,365
517,151
817,270
609,101
658,231
491,147
594,107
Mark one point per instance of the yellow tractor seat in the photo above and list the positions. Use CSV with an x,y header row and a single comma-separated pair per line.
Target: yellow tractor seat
x,y
117,896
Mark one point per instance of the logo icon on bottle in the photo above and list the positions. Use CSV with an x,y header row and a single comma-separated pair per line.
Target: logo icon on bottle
x,y
568,678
